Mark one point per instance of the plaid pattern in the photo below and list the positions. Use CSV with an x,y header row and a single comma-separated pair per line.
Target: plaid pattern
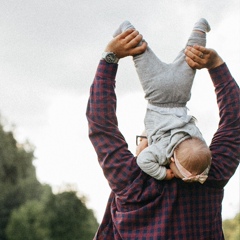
x,y
143,208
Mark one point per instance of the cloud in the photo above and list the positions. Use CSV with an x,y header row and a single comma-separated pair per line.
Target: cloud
x,y
57,43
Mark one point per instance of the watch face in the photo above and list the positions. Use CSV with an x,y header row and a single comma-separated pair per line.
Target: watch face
x,y
110,57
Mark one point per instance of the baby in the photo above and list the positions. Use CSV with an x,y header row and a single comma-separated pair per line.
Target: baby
x,y
173,137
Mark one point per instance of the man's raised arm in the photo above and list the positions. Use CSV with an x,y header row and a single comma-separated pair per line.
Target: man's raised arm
x,y
118,163
225,146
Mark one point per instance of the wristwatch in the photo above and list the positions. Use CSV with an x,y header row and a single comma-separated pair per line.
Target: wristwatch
x,y
110,57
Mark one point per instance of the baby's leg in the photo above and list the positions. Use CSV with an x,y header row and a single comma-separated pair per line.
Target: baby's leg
x,y
197,37
185,74
148,65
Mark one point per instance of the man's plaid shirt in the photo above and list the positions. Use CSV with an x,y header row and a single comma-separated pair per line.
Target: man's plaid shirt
x,y
141,207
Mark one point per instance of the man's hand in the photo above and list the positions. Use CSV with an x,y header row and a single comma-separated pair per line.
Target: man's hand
x,y
199,57
127,44
142,145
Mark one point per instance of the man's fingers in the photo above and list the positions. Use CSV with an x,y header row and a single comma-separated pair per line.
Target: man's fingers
x,y
126,33
132,37
139,49
195,54
191,53
201,49
198,51
135,41
193,64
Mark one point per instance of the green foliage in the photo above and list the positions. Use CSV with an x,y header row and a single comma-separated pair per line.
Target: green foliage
x,y
55,217
28,223
69,218
28,209
231,228
18,182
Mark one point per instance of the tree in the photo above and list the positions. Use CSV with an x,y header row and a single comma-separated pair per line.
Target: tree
x,y
28,209
69,218
27,223
231,228
18,182
55,217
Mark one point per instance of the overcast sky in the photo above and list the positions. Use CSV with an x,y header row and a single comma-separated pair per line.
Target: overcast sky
x,y
49,54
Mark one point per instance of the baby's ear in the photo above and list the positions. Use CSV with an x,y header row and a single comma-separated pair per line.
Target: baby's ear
x,y
172,159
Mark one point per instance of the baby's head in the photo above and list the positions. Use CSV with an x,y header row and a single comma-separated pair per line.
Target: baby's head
x,y
192,158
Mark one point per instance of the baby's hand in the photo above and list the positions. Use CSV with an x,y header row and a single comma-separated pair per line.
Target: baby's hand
x,y
169,175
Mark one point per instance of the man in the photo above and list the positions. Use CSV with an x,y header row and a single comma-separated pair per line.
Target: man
x,y
139,206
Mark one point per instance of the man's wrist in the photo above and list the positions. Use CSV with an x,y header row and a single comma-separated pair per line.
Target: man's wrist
x,y
110,57
217,63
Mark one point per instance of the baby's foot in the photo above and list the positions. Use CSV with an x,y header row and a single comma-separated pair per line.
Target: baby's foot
x,y
202,25
198,35
123,27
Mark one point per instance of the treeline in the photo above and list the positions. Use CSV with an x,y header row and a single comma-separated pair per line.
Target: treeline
x,y
28,209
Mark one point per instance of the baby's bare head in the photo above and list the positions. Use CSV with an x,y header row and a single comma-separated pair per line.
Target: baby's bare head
x,y
194,155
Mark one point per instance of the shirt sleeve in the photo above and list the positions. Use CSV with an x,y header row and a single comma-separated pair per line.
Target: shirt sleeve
x,y
152,160
117,162
225,145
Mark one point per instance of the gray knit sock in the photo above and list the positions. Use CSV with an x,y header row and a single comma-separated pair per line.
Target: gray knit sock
x,y
123,27
198,35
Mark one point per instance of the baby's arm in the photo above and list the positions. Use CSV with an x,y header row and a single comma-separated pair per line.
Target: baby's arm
x,y
152,162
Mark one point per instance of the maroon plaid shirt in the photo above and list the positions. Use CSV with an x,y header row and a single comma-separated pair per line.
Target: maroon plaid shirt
x,y
141,207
